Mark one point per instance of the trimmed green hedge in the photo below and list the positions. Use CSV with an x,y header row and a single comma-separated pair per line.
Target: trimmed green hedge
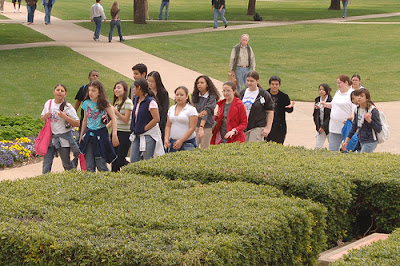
x,y
19,126
351,186
111,218
386,252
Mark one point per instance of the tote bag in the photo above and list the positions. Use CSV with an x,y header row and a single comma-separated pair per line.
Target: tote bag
x,y
44,137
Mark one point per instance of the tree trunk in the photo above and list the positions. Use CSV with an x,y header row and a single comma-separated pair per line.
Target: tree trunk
x,y
251,9
335,5
139,16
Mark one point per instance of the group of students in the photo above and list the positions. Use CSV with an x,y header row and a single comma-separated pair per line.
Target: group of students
x,y
351,104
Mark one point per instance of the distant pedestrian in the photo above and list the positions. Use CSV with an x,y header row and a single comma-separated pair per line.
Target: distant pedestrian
x,y
218,6
1,6
115,21
48,5
242,61
345,3
322,115
97,16
164,3
146,9
356,82
31,7
19,5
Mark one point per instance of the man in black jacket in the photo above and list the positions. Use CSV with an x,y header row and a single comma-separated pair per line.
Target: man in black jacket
x,y
218,7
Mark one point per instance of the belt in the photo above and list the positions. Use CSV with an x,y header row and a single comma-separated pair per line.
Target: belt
x,y
243,66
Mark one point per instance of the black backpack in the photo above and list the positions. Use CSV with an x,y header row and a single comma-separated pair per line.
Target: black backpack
x,y
257,17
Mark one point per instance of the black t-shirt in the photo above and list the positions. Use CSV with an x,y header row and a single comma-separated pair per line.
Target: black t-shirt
x,y
80,96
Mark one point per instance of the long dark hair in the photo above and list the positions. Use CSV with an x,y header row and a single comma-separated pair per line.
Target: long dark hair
x,y
326,87
162,93
367,95
125,86
144,86
210,87
102,101
186,91
64,103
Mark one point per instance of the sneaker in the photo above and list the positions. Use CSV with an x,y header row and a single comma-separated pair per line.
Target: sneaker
x,y
19,10
226,26
1,11
94,37
122,40
15,10
109,40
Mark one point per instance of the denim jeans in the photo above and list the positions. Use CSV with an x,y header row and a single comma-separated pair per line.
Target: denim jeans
x,y
47,10
188,145
114,23
166,4
335,139
345,3
49,157
136,154
368,147
221,15
98,21
31,12
121,150
240,75
91,161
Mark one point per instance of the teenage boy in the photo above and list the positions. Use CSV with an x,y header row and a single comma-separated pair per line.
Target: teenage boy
x,y
81,94
282,104
139,72
97,16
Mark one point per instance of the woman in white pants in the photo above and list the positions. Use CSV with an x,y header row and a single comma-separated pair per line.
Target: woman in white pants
x,y
322,115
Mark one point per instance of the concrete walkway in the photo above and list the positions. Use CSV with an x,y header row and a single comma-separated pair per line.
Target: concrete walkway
x,y
121,58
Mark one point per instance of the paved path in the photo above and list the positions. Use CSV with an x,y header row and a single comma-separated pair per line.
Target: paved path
x,y
121,58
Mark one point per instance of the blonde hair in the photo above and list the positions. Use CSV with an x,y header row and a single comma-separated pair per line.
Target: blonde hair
x,y
115,7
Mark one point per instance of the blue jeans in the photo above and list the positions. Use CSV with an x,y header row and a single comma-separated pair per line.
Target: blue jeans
x,y
221,15
114,23
49,157
335,139
368,147
188,145
166,4
92,162
240,75
136,154
345,3
31,12
47,10
98,21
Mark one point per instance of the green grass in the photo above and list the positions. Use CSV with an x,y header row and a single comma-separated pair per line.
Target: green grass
x,y
17,33
129,28
3,17
302,55
389,19
32,74
235,9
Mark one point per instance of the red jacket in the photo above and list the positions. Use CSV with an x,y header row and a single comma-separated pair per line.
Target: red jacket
x,y
236,119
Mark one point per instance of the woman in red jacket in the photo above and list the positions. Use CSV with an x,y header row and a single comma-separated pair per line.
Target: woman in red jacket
x,y
231,117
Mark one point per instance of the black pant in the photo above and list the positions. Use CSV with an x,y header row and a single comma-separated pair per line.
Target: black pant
x,y
276,135
121,150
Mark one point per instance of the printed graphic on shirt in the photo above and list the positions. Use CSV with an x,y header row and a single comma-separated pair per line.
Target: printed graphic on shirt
x,y
248,99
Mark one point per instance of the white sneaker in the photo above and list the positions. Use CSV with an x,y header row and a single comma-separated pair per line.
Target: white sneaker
x,y
15,10
19,10
2,11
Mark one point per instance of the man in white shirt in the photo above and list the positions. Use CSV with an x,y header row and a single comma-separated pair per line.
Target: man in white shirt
x,y
96,16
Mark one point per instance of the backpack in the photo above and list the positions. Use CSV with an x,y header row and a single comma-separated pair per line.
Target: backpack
x,y
257,17
385,132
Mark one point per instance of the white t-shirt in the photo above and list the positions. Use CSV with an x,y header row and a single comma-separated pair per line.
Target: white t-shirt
x,y
180,123
342,109
249,98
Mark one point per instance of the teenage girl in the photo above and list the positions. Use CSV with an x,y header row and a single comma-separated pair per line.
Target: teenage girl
x,y
123,107
356,82
115,21
181,123
158,89
94,140
231,117
258,103
62,119
146,134
366,122
205,97
322,115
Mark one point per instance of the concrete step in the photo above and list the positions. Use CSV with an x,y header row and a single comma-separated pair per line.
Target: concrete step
x,y
336,253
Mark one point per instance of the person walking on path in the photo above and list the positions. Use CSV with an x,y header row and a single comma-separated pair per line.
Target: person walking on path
x,y
48,5
31,7
164,3
2,6
218,7
345,3
19,5
115,21
242,61
96,16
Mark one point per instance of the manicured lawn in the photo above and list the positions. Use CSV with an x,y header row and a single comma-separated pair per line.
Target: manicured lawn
x,y
389,19
129,28
32,73
3,17
302,55
17,33
235,10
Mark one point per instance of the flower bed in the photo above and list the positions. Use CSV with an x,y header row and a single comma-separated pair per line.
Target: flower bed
x,y
18,150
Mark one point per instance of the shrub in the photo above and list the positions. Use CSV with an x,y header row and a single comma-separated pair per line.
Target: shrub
x,y
349,185
384,252
111,218
19,126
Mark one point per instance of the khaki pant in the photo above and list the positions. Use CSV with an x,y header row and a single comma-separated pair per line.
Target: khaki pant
x,y
254,135
204,143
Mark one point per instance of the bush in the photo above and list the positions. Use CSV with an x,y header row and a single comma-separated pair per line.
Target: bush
x,y
349,185
111,218
19,126
386,252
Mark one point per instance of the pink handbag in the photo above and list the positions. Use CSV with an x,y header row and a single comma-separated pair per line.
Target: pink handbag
x,y
43,139
82,162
